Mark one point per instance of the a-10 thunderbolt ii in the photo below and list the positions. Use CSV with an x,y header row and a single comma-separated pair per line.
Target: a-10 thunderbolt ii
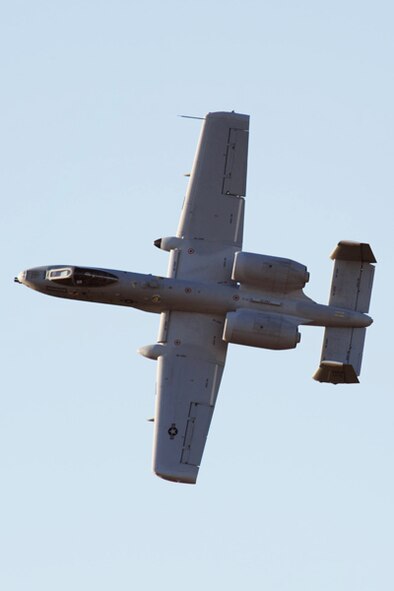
x,y
216,294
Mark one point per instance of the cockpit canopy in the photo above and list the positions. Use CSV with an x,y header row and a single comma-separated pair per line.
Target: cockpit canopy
x,y
81,276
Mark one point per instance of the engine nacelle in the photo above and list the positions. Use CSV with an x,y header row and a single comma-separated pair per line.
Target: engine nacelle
x,y
270,273
258,329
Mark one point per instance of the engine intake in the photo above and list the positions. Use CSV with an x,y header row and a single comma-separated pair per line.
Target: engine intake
x,y
270,273
258,329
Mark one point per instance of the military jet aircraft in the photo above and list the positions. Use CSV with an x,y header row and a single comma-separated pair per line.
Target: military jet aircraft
x,y
217,294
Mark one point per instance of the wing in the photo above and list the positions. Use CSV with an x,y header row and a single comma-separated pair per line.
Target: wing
x,y
210,231
211,223
188,379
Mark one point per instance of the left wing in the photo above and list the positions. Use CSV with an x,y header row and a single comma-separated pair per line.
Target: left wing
x,y
213,208
211,223
188,379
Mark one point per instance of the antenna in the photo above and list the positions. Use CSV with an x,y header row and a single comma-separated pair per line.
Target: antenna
x,y
191,117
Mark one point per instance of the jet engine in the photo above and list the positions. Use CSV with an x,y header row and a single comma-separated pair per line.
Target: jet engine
x,y
269,273
258,329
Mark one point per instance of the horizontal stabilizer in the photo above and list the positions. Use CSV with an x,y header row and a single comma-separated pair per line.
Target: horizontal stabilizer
x,y
341,355
344,345
352,278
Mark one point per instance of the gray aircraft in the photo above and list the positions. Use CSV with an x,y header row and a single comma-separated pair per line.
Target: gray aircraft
x,y
217,294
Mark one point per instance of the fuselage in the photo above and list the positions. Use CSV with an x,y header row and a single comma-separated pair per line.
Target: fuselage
x,y
157,294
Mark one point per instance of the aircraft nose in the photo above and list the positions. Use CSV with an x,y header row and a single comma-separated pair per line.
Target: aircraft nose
x,y
21,277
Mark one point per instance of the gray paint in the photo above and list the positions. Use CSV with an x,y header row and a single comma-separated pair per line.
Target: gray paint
x,y
216,294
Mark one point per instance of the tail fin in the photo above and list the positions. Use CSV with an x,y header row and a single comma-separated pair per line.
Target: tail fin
x,y
351,288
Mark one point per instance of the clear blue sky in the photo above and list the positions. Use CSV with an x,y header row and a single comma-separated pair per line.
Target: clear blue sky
x,y
296,488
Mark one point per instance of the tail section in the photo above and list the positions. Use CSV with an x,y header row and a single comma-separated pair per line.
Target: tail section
x,y
352,278
341,355
351,288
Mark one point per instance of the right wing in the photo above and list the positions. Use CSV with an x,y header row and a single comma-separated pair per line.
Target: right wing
x,y
188,379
